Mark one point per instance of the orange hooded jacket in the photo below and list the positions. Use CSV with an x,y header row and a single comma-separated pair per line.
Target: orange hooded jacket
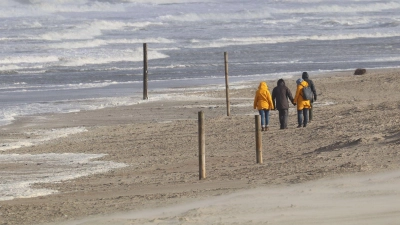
x,y
301,103
263,99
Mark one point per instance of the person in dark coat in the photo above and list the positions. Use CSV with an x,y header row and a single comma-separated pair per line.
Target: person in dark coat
x,y
311,84
280,96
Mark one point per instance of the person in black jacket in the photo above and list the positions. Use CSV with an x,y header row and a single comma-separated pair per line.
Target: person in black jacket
x,y
280,96
311,84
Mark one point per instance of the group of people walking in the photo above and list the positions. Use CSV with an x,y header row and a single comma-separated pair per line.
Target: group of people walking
x,y
264,102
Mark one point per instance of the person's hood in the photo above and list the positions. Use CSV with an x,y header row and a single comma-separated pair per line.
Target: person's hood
x,y
298,81
263,86
281,82
304,75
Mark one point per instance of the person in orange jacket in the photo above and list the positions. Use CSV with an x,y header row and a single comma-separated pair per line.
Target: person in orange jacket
x,y
263,103
302,105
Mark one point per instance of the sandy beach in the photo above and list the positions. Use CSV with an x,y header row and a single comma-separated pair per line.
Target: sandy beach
x,y
330,172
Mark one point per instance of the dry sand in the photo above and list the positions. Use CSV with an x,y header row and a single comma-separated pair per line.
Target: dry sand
x,y
342,169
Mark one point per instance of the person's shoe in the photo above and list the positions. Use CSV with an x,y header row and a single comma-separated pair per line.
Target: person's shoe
x,y
266,129
304,125
299,126
262,129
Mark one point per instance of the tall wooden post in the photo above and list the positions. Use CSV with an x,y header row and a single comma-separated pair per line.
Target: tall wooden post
x,y
202,151
228,107
258,140
145,97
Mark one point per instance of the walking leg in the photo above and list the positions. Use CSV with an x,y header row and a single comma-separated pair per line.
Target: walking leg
x,y
300,117
305,113
285,118
281,118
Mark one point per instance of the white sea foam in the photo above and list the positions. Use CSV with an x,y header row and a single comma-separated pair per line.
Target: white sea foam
x,y
99,42
350,8
9,67
285,39
17,179
246,15
76,6
90,30
40,136
28,59
163,2
348,21
15,88
48,7
135,55
159,40
8,114
78,44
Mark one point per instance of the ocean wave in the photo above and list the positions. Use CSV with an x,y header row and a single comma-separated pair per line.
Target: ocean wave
x,y
135,55
28,59
163,2
14,8
242,15
347,21
101,42
82,31
9,69
223,42
90,30
354,7
75,59
24,87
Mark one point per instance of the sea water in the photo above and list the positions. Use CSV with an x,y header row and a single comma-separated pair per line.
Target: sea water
x,y
63,56
71,55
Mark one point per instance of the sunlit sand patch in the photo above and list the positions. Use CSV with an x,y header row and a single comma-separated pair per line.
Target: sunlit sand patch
x,y
368,199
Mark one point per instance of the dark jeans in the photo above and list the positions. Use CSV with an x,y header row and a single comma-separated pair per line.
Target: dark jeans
x,y
283,118
310,112
300,115
264,117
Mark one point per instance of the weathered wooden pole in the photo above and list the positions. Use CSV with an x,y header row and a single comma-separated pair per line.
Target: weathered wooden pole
x,y
145,97
228,107
258,140
202,150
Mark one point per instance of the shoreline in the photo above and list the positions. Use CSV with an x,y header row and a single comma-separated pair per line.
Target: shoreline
x,y
358,134
161,94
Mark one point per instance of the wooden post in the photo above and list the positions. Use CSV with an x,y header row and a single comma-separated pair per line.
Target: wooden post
x,y
228,107
258,140
202,151
145,97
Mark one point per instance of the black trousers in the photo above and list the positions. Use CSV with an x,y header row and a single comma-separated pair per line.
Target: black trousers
x,y
283,118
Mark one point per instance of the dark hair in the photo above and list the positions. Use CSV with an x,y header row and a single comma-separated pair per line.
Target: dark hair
x,y
280,81
304,75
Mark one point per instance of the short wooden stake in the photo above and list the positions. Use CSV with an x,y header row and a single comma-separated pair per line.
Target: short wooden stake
x,y
258,139
202,150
